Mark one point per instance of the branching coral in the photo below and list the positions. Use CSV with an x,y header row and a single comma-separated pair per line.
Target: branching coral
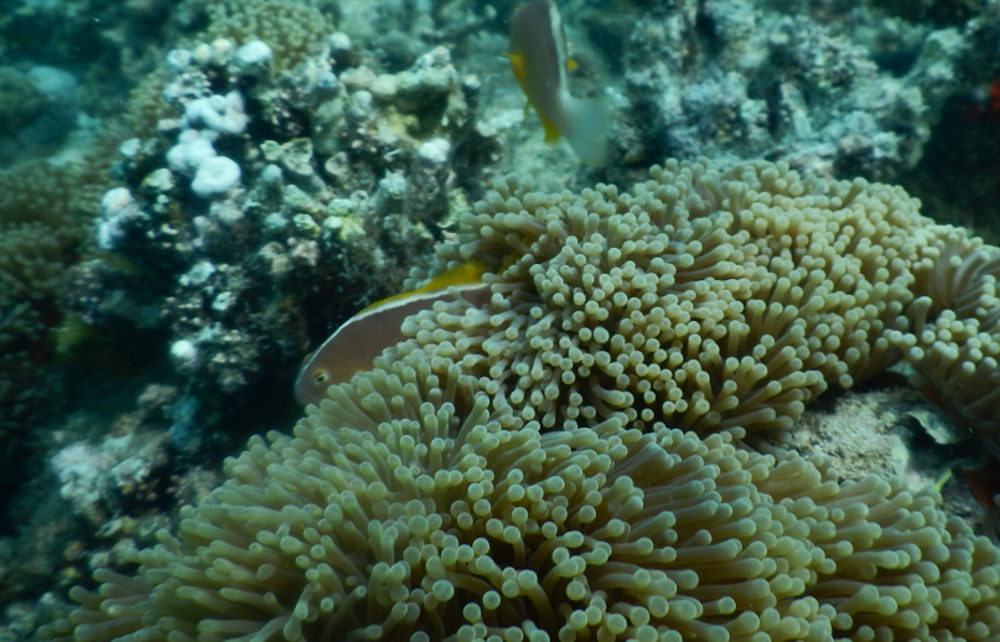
x,y
515,472
64,197
30,273
43,210
30,276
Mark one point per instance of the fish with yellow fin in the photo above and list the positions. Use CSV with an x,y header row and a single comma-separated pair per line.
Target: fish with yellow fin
x,y
355,344
539,62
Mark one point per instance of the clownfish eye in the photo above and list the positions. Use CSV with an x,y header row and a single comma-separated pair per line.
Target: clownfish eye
x,y
320,377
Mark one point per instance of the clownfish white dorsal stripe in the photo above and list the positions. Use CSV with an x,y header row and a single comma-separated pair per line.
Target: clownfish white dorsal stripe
x,y
356,343
539,62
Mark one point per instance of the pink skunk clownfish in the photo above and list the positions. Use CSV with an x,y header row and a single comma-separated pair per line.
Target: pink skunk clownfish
x,y
355,344
538,59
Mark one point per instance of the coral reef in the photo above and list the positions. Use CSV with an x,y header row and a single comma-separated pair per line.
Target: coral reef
x,y
195,193
282,175
522,468
43,212
30,274
293,30
958,178
353,179
295,193
114,487
855,96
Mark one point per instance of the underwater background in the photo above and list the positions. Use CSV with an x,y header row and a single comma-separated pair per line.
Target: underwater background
x,y
195,194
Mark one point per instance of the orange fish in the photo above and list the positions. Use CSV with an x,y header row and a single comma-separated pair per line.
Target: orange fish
x,y
355,344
